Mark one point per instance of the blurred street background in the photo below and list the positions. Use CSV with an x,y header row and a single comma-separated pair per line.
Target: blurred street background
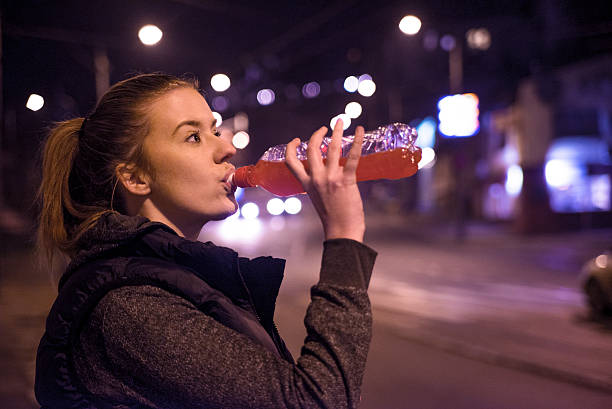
x,y
477,290
495,320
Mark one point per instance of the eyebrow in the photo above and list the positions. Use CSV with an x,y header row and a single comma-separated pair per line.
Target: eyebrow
x,y
194,123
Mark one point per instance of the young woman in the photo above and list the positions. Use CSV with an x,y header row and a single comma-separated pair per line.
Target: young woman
x,y
147,317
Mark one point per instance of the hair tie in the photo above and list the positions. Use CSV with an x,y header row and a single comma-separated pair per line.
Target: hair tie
x,y
82,130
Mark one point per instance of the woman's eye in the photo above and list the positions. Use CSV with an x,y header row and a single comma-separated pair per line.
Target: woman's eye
x,y
217,134
194,137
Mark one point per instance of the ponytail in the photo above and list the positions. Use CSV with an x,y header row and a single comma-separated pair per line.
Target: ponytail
x,y
59,211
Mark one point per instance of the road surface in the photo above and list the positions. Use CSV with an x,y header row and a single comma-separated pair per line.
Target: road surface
x,y
494,321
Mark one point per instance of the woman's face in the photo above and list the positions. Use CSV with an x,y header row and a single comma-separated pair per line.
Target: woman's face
x,y
188,160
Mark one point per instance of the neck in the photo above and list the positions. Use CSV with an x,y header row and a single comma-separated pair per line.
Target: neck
x,y
189,229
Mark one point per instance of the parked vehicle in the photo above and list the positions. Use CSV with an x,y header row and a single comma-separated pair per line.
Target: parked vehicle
x,y
597,283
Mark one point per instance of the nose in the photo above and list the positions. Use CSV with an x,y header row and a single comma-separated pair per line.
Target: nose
x,y
225,150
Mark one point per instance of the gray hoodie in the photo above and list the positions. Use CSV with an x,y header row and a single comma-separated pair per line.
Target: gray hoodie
x,y
144,346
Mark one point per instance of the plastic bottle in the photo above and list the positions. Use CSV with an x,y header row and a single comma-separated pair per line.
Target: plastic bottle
x,y
387,153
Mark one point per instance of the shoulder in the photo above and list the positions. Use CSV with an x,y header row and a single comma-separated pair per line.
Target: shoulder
x,y
137,302
115,279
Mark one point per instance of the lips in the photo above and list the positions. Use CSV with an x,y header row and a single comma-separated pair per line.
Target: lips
x,y
228,180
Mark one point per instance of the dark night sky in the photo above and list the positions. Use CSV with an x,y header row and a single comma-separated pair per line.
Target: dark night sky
x,y
48,48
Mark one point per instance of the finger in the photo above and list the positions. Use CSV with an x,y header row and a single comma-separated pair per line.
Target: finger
x,y
335,147
350,167
294,164
313,152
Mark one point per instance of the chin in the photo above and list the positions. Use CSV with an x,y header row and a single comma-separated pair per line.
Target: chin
x,y
221,209
224,214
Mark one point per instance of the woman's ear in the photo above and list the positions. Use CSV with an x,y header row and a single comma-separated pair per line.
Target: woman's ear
x,y
132,180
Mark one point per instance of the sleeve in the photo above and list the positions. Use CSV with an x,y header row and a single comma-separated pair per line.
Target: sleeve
x,y
169,354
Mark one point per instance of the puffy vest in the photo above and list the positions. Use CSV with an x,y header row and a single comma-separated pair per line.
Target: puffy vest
x,y
237,292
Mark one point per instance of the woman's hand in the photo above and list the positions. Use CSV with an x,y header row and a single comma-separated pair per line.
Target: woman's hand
x,y
332,188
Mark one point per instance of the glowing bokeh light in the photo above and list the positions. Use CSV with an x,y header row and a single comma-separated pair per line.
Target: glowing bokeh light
x,y
220,82
601,261
410,25
311,89
561,173
150,34
346,121
293,205
353,109
275,206
448,42
240,140
351,83
220,103
35,102
218,117
458,115
426,132
428,155
478,38
265,96
249,210
367,88
514,180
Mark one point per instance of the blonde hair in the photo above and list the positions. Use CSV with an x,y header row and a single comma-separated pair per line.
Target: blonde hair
x,y
80,157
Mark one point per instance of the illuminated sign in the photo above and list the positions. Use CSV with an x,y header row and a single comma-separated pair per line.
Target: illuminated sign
x,y
458,115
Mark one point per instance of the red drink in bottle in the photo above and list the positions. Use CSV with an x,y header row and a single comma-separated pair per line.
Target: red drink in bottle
x,y
275,176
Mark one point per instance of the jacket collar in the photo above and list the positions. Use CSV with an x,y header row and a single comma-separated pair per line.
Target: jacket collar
x,y
247,282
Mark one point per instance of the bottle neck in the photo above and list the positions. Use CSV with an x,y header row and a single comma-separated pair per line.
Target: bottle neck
x,y
243,177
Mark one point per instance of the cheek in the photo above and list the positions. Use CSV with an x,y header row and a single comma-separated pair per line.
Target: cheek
x,y
186,180
183,176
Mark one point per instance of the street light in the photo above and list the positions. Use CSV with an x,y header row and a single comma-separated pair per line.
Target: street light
x,y
150,34
35,102
220,82
410,25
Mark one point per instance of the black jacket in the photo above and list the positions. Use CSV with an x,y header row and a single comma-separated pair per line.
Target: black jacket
x,y
87,359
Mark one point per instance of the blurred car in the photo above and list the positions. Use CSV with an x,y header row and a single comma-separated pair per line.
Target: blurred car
x,y
597,283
